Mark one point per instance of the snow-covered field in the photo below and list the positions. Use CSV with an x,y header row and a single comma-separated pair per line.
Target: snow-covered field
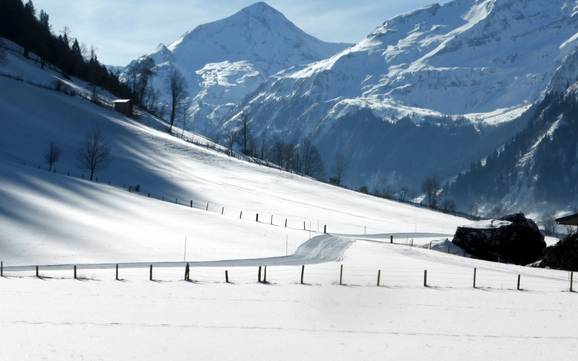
x,y
98,318
50,218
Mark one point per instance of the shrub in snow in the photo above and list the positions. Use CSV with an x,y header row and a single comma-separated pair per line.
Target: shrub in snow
x,y
513,239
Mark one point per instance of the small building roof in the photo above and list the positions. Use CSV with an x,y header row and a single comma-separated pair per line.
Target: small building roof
x,y
121,101
571,220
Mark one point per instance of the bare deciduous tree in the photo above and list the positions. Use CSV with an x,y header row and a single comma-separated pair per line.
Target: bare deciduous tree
x,y
549,223
52,155
311,163
431,187
403,194
263,148
151,100
94,153
286,155
245,134
230,140
178,94
139,76
340,167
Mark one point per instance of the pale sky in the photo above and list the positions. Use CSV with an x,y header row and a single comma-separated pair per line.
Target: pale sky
x,y
122,30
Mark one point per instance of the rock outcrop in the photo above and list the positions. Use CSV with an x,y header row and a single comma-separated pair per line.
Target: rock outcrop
x,y
512,239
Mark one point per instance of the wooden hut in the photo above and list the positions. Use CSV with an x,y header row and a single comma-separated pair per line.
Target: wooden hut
x,y
123,106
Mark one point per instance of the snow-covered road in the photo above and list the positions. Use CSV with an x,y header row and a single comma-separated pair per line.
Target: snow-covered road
x,y
319,249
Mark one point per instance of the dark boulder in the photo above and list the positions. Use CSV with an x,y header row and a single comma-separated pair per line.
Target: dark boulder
x,y
512,239
563,255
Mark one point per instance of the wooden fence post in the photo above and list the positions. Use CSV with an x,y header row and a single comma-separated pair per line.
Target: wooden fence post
x,y
1,269
285,222
341,275
378,277
191,203
187,272
241,215
206,209
325,229
259,275
271,219
75,272
425,278
256,217
116,274
222,210
391,239
302,273
571,281
265,275
429,244
475,271
226,276
303,225
518,286
151,272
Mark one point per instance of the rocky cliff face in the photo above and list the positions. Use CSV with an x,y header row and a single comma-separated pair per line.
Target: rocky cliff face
x,y
537,170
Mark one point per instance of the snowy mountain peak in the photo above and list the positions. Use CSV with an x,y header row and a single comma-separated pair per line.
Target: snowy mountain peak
x,y
258,15
261,9
226,60
161,48
257,33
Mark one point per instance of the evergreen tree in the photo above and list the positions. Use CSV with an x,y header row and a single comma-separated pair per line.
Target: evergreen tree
x,y
18,23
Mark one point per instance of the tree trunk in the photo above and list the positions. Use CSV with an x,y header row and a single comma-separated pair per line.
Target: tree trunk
x,y
173,115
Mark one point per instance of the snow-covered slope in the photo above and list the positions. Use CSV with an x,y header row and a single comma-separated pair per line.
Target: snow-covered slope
x,y
465,68
226,60
47,216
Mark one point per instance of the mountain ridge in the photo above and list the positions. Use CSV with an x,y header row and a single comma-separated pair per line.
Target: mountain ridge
x,y
464,64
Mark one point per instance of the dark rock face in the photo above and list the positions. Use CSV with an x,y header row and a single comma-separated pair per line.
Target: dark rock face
x,y
518,240
563,255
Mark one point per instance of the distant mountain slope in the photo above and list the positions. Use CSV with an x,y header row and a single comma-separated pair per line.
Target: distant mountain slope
x,y
226,60
465,69
537,171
